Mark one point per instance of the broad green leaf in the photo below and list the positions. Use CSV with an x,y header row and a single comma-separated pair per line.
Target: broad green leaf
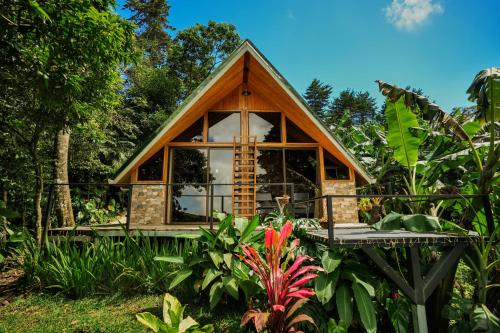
x,y
471,128
173,311
219,215
250,288
209,277
343,300
240,223
151,321
186,324
333,327
420,223
228,258
215,294
250,228
368,287
239,269
399,314
330,261
399,137
217,258
391,221
171,259
179,277
324,286
228,240
231,286
207,235
365,308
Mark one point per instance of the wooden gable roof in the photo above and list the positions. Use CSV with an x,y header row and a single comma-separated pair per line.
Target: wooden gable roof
x,y
247,64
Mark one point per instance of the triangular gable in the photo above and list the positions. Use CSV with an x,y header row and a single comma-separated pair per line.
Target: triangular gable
x,y
224,70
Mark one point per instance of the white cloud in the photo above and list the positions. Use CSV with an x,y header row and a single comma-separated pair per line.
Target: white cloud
x,y
408,14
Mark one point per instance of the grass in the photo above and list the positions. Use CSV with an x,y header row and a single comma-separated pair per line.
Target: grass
x,y
47,313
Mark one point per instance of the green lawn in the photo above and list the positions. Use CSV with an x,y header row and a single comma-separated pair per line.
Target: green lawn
x,y
48,313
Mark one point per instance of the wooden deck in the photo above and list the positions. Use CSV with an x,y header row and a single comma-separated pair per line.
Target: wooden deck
x,y
118,230
364,236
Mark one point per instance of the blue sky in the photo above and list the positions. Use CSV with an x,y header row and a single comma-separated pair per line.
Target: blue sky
x,y
435,45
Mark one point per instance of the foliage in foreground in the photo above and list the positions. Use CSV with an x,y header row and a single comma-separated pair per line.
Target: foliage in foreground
x,y
173,319
106,266
284,285
216,267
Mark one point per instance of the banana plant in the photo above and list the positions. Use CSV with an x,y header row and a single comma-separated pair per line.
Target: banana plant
x,y
173,319
485,91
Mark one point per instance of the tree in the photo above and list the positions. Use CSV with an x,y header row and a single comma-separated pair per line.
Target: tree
x,y
317,96
360,106
197,51
151,19
153,92
57,58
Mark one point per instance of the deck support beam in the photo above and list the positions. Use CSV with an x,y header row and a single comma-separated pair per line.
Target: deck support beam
x,y
421,286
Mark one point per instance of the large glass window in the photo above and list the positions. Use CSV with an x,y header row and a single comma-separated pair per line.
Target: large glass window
x,y
189,194
221,166
193,134
295,134
269,170
223,126
152,169
301,170
334,169
266,126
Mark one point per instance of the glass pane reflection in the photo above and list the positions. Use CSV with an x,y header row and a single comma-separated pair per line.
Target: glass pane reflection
x,y
223,126
266,126
189,200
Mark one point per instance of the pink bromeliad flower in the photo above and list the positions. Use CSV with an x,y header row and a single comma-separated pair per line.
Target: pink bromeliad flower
x,y
284,285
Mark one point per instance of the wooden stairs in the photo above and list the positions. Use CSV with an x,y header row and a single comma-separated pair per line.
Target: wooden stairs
x,y
244,176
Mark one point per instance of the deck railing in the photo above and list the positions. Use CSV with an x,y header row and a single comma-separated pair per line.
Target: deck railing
x,y
122,193
328,203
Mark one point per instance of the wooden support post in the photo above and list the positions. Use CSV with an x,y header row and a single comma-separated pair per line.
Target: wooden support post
x,y
329,214
421,287
129,207
419,317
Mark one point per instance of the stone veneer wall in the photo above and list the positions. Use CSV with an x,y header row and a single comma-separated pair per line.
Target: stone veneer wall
x,y
148,204
345,210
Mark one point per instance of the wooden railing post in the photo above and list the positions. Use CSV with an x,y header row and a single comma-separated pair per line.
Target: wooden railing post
x,y
129,207
329,215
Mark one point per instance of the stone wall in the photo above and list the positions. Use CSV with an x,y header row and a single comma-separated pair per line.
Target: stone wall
x,y
345,210
148,204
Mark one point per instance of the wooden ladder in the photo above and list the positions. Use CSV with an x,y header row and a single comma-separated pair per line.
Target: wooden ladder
x,y
244,176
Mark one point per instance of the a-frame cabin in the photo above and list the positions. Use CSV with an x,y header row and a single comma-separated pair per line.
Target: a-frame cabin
x,y
241,139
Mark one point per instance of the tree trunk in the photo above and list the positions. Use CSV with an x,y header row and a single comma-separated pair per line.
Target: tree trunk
x,y
62,195
37,199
